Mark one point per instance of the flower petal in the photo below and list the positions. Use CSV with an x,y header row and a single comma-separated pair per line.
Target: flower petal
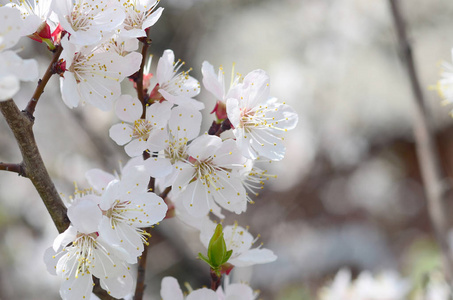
x,y
98,179
253,257
128,108
136,147
85,214
170,289
212,82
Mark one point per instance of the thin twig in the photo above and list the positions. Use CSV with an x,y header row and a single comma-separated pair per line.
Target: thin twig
x,y
165,193
215,280
427,152
21,124
141,267
31,106
138,78
16,168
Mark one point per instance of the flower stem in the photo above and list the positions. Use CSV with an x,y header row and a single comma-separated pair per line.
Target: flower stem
x,y
215,280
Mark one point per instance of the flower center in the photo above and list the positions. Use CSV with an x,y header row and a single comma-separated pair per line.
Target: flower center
x,y
84,247
135,16
176,150
116,212
247,118
79,18
134,19
142,129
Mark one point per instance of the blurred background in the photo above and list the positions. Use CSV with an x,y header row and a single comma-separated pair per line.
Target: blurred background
x,y
348,193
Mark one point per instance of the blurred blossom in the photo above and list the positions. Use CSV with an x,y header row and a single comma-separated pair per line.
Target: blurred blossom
x,y
372,186
387,285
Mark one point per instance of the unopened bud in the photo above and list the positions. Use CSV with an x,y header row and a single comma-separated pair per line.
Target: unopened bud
x,y
220,110
59,67
43,35
218,254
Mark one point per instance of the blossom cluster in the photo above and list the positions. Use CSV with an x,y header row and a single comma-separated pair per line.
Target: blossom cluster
x,y
106,232
200,174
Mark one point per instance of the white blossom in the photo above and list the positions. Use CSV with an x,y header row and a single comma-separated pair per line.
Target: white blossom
x,y
140,134
445,85
125,213
183,126
127,207
140,15
236,291
81,255
215,83
80,252
88,21
211,173
93,76
13,68
176,87
387,285
259,121
36,12
170,290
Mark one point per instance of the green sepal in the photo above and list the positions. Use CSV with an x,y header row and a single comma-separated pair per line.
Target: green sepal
x,y
204,258
227,256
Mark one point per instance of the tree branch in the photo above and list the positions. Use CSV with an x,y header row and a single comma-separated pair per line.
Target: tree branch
x,y
16,168
30,109
21,124
427,152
